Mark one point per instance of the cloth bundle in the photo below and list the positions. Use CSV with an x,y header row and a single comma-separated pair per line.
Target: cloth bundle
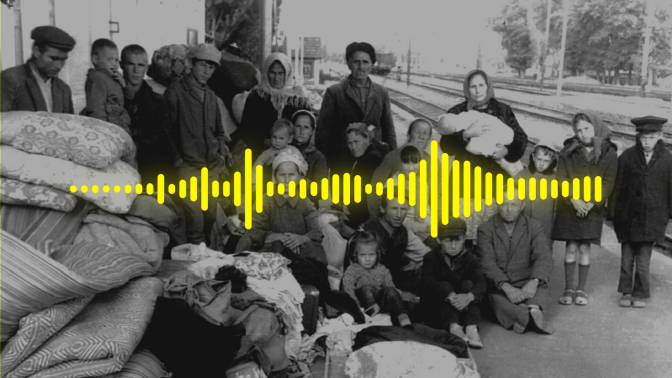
x,y
495,134
169,63
131,234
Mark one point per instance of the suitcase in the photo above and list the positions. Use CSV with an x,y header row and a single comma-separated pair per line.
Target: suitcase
x,y
309,307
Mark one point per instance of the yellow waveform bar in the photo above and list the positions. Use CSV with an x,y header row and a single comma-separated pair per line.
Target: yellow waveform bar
x,y
348,189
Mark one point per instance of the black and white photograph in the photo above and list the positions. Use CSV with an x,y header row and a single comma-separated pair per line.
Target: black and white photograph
x,y
335,188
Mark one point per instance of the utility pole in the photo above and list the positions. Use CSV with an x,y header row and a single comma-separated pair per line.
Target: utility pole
x,y
544,47
52,13
18,34
647,48
565,18
266,29
408,62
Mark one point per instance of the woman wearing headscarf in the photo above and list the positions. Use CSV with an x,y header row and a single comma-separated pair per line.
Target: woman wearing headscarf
x,y
590,153
479,94
274,98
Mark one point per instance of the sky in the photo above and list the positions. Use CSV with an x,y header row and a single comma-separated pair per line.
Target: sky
x,y
445,27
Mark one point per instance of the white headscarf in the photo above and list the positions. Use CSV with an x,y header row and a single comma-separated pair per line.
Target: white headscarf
x,y
291,155
294,95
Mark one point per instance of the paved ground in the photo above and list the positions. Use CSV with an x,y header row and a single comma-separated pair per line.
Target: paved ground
x,y
598,340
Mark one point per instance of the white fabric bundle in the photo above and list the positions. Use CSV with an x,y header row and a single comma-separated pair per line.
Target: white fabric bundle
x,y
62,174
495,135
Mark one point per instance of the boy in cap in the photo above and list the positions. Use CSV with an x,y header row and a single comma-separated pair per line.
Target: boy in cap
x,y
454,284
641,206
104,86
35,86
197,138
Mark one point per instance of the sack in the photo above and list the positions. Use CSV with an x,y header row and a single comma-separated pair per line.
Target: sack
x,y
334,244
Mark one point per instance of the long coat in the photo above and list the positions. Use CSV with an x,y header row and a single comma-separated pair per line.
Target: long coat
x,y
455,145
526,254
641,203
364,166
20,91
573,164
340,108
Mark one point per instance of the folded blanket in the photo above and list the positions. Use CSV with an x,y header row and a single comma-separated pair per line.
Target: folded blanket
x,y
37,328
142,364
149,209
86,141
62,174
14,192
136,237
31,281
101,339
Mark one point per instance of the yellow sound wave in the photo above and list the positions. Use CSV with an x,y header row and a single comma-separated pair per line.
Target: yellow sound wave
x,y
349,189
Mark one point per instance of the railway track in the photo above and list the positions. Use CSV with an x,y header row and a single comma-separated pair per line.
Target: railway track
x,y
425,109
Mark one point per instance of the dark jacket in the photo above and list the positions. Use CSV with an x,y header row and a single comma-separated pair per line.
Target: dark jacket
x,y
525,255
364,167
641,204
105,99
20,91
392,247
195,126
146,111
573,164
440,280
542,210
317,163
454,145
340,108
258,118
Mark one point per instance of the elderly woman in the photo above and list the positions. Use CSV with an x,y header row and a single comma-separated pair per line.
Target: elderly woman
x,y
365,157
479,96
274,98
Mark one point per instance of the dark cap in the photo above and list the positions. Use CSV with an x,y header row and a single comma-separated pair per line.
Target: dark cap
x,y
53,37
455,227
360,46
648,124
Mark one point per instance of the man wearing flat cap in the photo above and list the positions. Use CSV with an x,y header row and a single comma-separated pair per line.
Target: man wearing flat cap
x,y
517,262
35,86
355,99
453,284
198,141
641,206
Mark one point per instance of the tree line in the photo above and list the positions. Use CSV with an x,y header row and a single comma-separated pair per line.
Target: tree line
x,y
605,38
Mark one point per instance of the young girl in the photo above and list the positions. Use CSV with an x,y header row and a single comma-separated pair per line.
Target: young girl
x,y
589,153
370,283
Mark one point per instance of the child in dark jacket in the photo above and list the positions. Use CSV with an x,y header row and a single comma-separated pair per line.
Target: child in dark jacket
x,y
454,284
104,86
641,206
368,282
590,153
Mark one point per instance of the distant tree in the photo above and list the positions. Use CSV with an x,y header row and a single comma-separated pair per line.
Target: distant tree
x,y
516,40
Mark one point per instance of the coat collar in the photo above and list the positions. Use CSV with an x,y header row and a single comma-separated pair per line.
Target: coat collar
x,y
34,89
350,91
657,151
282,200
516,237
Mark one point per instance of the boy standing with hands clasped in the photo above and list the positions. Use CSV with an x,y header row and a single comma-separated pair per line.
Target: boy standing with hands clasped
x,y
454,284
641,207
104,86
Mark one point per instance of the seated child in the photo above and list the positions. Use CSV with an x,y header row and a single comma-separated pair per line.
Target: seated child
x,y
368,282
454,284
282,134
104,86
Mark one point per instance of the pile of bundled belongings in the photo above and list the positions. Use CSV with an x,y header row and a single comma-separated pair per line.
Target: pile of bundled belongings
x,y
170,63
77,286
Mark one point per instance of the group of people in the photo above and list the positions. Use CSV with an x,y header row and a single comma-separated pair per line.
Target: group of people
x,y
501,255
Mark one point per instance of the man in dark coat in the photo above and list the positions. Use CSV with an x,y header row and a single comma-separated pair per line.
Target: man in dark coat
x,y
641,206
355,99
197,138
145,108
517,263
35,86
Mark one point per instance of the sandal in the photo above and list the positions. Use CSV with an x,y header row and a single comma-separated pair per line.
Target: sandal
x,y
626,301
581,298
567,297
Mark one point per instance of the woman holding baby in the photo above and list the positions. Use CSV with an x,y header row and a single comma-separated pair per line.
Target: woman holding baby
x,y
479,96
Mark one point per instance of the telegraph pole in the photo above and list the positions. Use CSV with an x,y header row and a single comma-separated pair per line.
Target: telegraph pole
x,y
266,29
408,62
18,34
544,49
647,48
565,18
